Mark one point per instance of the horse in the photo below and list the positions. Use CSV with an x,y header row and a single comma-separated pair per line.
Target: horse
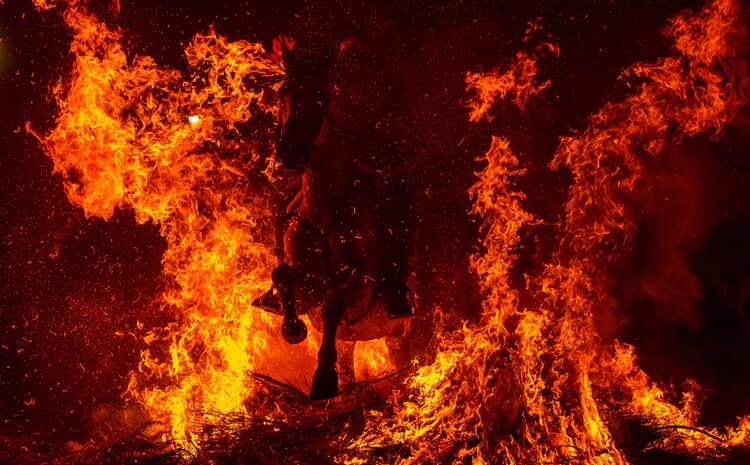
x,y
347,250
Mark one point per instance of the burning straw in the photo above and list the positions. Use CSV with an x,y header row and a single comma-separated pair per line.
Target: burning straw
x,y
535,385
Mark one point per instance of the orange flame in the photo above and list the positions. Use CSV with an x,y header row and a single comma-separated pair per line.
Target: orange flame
x,y
529,384
43,4
534,385
698,90
462,397
518,82
371,360
134,135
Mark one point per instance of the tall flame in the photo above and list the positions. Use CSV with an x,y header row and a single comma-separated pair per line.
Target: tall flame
x,y
134,135
697,91
535,384
462,404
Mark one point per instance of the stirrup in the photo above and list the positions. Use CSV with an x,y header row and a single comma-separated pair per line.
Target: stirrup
x,y
294,331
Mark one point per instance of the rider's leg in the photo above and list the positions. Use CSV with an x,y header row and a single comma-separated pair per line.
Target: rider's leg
x,y
390,199
397,233
303,251
291,243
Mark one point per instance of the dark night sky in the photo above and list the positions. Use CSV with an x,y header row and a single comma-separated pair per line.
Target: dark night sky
x,y
67,283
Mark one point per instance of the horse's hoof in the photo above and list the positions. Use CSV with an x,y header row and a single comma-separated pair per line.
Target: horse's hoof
x,y
325,384
294,332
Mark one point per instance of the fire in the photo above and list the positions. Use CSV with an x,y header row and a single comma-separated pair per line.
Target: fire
x,y
371,360
517,81
535,384
532,381
460,404
44,4
134,135
697,91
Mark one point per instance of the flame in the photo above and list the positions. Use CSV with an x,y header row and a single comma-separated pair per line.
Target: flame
x,y
518,81
44,4
371,360
697,91
134,135
531,383
536,384
462,396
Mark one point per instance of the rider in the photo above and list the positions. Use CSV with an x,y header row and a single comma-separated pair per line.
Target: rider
x,y
390,203
383,172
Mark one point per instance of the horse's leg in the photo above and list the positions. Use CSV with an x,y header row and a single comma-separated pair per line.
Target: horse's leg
x,y
302,257
350,244
281,293
325,383
269,301
354,291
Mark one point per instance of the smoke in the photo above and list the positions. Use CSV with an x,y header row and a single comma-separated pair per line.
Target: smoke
x,y
684,289
679,204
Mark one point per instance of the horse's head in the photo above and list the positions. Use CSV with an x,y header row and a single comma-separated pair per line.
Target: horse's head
x,y
302,102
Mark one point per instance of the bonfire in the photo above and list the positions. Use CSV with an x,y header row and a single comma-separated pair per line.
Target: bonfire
x,y
553,271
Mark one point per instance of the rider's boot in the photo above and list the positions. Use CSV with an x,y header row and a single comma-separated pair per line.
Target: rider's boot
x,y
269,302
282,278
393,216
398,297
398,302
